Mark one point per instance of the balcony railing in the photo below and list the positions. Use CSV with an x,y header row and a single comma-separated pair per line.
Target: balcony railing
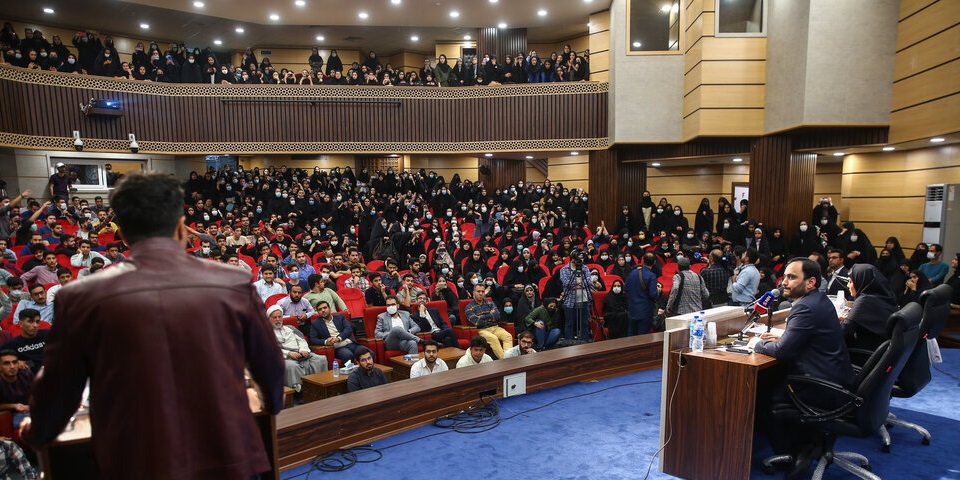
x,y
42,109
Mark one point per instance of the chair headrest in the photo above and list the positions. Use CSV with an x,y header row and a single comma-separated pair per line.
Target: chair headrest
x,y
906,319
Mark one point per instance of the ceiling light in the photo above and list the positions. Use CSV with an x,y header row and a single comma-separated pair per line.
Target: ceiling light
x,y
542,12
320,38
414,38
665,8
238,29
48,10
937,139
394,155
218,42
889,149
198,4
637,44
838,154
363,15
502,25
488,155
395,2
454,14
467,37
655,164
494,1
574,153
274,17
145,26
587,1
737,160
529,157
300,3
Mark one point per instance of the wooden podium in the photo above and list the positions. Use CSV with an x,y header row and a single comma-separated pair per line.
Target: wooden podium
x,y
708,425
70,456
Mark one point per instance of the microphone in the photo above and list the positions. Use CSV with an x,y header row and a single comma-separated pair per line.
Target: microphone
x,y
760,308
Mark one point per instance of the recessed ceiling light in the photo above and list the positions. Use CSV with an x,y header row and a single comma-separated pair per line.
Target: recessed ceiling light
x,y
488,155
655,164
218,42
199,4
587,1
414,38
542,12
238,29
274,17
145,26
394,155
574,153
937,139
395,2
529,157
48,10
300,3
363,15
320,38
494,1
637,44
838,154
738,160
454,14
889,149
467,37
502,25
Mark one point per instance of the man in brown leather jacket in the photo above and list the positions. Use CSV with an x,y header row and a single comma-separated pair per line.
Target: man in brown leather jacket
x,y
163,339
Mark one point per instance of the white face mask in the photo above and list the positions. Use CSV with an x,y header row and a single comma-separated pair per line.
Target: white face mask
x,y
689,235
823,222
931,255
594,278
676,212
392,309
659,210
726,226
803,228
520,268
854,238
616,289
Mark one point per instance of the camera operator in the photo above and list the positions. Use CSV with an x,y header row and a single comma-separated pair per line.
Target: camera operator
x,y
576,297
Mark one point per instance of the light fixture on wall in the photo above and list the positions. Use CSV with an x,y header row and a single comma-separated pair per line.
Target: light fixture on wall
x,y
77,143
134,146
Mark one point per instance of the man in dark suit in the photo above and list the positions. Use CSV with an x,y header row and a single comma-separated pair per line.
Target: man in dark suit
x,y
333,330
430,320
837,274
813,345
168,380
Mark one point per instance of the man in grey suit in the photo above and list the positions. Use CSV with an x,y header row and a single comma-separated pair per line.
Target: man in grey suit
x,y
396,328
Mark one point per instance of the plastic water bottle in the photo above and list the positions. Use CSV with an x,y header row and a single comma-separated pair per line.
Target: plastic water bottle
x,y
698,333
408,357
692,326
336,368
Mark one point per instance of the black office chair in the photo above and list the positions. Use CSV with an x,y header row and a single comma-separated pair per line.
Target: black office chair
x,y
916,373
866,403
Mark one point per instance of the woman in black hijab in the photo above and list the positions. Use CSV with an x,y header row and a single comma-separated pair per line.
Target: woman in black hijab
x,y
615,311
704,220
893,244
887,264
865,324
954,282
858,247
919,256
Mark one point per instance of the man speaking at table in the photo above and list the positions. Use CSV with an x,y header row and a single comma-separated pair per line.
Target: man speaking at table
x,y
813,345
163,339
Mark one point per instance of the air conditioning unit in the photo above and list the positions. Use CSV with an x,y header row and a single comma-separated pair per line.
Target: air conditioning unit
x,y
941,217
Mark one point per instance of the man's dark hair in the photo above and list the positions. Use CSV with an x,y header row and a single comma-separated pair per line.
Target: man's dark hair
x,y
37,248
752,255
393,297
322,302
8,353
28,313
649,259
14,282
86,242
313,279
525,334
34,287
361,351
478,341
62,270
937,246
147,205
835,250
406,276
811,269
268,268
430,343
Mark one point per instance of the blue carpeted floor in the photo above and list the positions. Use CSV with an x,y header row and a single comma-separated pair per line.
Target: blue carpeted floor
x,y
610,429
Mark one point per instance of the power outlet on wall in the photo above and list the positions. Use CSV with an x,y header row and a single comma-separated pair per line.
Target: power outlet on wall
x,y
515,384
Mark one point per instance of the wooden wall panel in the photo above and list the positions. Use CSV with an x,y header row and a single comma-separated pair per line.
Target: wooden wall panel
x,y
686,186
533,175
604,186
734,72
926,86
938,48
781,182
599,63
446,165
910,7
920,26
828,182
500,42
730,121
734,48
926,120
503,171
600,21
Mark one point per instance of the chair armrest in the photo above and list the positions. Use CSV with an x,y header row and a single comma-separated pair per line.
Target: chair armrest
x,y
812,414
